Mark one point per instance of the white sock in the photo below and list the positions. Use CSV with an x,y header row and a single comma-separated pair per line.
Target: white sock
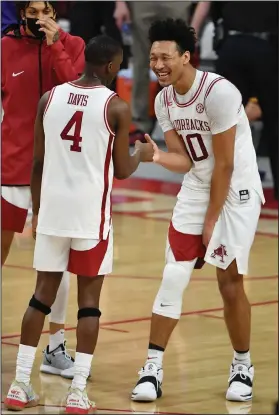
x,y
81,370
56,339
24,363
155,356
242,358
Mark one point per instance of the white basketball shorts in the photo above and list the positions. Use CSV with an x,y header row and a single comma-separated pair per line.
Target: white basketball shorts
x,y
85,257
232,237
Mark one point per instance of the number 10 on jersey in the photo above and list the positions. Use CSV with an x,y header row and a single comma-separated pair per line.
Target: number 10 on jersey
x,y
195,146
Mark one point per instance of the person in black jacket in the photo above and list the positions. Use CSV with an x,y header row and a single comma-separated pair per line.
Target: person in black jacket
x,y
246,41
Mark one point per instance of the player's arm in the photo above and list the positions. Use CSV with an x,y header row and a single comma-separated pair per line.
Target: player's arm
x,y
200,14
223,107
119,117
223,150
38,155
176,159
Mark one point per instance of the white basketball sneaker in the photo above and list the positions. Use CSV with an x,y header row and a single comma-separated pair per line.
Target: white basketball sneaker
x,y
148,388
20,396
78,403
240,383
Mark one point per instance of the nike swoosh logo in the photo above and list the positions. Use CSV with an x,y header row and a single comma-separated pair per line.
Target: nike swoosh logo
x,y
49,361
16,74
165,305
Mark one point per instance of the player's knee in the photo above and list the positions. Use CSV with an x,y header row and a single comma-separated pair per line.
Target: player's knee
x,y
40,306
176,277
89,312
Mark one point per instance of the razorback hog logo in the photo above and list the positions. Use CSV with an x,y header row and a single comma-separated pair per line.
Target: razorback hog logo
x,y
220,251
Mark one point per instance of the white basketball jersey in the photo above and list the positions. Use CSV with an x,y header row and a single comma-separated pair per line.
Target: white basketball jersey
x,y
196,117
78,167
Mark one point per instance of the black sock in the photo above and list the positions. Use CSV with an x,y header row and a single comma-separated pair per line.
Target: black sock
x,y
153,346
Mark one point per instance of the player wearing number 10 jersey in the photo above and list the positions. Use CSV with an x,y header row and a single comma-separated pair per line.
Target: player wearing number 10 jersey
x,y
215,218
81,143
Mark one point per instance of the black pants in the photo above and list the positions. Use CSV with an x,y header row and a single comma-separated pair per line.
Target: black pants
x,y
251,64
89,17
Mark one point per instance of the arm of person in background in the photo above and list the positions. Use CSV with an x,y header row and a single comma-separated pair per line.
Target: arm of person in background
x,y
119,117
176,159
223,107
38,161
121,13
68,67
200,14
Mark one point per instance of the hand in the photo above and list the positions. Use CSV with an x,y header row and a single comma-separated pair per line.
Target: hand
x,y
146,151
51,29
34,225
121,14
253,111
156,151
207,232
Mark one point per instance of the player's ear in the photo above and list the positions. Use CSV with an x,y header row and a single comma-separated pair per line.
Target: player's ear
x,y
110,67
186,57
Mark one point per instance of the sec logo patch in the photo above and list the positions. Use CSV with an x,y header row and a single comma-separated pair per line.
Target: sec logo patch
x,y
199,108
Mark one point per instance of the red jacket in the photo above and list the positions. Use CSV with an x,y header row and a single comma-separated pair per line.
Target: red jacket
x,y
29,69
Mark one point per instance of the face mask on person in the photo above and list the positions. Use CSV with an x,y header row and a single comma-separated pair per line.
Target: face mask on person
x,y
34,28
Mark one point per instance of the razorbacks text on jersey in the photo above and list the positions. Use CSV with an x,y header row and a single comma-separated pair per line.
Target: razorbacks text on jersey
x,y
78,167
212,105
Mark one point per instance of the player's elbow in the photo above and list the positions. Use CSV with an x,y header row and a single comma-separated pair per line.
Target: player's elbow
x,y
186,166
122,174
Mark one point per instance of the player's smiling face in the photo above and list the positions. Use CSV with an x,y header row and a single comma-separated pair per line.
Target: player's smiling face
x,y
167,62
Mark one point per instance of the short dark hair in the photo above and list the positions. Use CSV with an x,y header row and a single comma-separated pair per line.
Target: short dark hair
x,y
25,4
22,5
175,30
101,50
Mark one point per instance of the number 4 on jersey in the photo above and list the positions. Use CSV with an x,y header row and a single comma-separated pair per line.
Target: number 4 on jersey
x,y
75,122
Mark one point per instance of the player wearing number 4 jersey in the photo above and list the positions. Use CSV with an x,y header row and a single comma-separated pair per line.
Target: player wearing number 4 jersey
x,y
216,214
81,143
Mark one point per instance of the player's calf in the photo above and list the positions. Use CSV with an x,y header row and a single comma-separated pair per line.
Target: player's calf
x,y
237,314
87,333
166,313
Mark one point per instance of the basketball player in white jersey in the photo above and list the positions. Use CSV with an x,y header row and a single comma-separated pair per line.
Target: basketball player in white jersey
x,y
215,218
81,143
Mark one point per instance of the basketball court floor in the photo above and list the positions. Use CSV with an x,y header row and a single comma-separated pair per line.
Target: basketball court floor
x,y
197,360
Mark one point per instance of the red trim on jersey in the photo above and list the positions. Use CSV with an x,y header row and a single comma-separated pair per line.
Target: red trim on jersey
x,y
211,86
106,185
49,101
203,79
166,101
106,113
86,87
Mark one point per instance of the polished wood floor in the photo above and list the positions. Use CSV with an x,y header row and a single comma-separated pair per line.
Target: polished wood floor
x,y
197,360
